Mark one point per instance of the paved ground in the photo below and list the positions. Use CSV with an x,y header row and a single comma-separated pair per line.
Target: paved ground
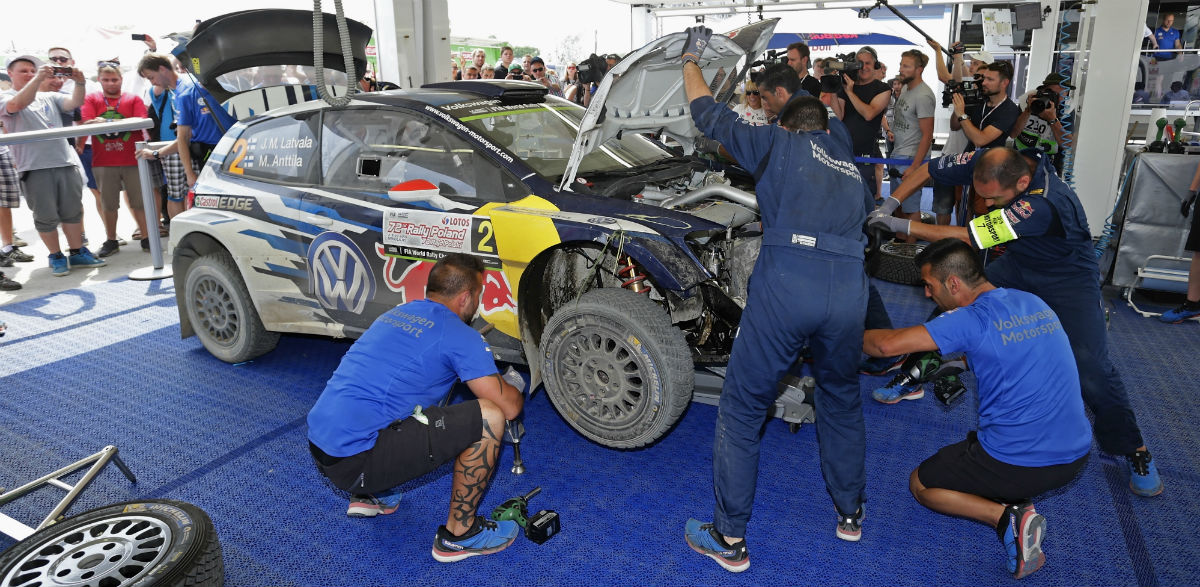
x,y
36,277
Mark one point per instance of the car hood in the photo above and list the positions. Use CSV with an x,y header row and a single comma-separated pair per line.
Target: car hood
x,y
644,92
252,38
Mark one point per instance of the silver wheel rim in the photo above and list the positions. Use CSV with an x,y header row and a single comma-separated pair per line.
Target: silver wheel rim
x,y
909,250
602,377
215,310
107,553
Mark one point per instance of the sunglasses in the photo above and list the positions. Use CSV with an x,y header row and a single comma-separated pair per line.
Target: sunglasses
x,y
570,67
753,93
538,70
60,59
116,64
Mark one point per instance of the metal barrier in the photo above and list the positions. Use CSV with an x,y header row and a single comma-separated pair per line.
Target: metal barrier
x,y
20,531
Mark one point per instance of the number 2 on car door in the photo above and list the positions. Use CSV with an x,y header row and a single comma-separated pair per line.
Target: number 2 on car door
x,y
483,238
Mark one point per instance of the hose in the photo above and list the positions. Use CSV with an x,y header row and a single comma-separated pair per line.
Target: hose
x,y
1064,69
319,54
1110,228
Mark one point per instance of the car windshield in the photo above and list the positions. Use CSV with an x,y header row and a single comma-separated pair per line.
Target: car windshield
x,y
543,134
265,76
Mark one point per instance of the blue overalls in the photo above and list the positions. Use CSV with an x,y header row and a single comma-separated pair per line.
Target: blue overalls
x,y
812,251
1053,258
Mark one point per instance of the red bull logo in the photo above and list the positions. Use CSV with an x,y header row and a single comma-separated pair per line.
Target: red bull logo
x,y
408,278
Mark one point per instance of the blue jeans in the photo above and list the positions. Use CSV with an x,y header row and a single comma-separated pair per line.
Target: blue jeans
x,y
1076,299
773,329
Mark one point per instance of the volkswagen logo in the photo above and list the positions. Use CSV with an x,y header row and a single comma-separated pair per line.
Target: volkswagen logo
x,y
339,274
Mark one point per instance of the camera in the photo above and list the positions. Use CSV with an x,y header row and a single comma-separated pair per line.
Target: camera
x,y
772,57
63,71
846,63
970,90
592,69
1043,99
138,37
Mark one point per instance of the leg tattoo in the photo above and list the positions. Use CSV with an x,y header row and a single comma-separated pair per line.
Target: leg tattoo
x,y
472,472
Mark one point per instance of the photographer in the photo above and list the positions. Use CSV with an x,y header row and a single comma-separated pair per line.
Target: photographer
x,y
861,104
988,124
1040,126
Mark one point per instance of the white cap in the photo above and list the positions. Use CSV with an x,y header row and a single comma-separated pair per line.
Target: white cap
x,y
981,55
30,58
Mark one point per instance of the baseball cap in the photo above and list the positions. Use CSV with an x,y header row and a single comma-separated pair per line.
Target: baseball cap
x,y
981,55
1057,79
30,58
515,68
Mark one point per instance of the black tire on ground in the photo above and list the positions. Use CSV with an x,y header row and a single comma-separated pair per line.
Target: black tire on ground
x,y
893,262
221,312
149,542
616,369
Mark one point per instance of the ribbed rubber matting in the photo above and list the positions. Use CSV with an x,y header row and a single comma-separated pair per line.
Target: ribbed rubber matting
x,y
105,365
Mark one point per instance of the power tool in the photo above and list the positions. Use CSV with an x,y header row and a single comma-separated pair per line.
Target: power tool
x,y
539,528
1158,146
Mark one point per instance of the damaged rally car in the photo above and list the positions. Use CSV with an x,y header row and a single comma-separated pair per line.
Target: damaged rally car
x,y
615,266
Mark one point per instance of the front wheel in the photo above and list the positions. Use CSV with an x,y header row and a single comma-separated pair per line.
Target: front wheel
x,y
221,312
615,368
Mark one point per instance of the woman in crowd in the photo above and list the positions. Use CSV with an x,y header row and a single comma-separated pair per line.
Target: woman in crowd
x,y
751,109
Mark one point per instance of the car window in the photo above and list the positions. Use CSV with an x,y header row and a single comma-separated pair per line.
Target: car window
x,y
543,135
265,76
374,150
279,149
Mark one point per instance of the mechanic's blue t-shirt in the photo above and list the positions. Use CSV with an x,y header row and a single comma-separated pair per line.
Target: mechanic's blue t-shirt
x,y
410,356
1166,40
1030,407
192,106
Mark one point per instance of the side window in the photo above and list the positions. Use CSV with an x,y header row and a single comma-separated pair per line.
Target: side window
x,y
373,149
281,149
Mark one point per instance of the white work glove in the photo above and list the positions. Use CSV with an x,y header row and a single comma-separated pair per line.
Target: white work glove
x,y
515,379
888,206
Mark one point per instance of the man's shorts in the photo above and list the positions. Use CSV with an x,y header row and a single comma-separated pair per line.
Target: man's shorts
x,y
1193,240
113,180
943,198
406,449
54,196
172,168
10,183
86,159
967,468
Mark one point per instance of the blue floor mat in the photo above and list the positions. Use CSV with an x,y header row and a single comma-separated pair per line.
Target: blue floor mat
x,y
105,365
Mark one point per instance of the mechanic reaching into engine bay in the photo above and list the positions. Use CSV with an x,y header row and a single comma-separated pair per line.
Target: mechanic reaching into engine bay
x,y
379,422
1049,254
1033,433
811,248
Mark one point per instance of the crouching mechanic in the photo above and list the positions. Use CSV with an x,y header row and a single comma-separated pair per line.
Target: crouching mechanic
x,y
1049,254
811,247
378,422
1033,434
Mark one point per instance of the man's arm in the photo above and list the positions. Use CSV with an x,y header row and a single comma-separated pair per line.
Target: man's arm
x,y
978,137
498,391
839,106
890,343
923,147
693,82
943,72
183,140
914,180
76,99
867,110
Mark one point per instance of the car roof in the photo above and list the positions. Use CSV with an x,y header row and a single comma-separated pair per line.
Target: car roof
x,y
438,95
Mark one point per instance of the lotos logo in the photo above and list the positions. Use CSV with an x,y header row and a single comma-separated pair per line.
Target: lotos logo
x,y
456,220
339,273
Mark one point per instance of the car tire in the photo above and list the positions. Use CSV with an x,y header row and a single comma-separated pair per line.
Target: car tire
x,y
221,312
608,332
149,542
894,262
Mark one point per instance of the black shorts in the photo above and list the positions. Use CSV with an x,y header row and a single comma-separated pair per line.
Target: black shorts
x,y
967,468
405,450
1193,240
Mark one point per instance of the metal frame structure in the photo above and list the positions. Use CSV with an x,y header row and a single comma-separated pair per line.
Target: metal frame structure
x,y
19,531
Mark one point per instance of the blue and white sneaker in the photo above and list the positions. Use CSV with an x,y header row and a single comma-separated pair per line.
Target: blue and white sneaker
x,y
1179,314
901,387
85,258
704,539
1024,529
369,506
58,265
484,537
1143,474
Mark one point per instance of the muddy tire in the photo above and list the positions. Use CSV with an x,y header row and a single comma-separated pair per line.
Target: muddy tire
x,y
221,311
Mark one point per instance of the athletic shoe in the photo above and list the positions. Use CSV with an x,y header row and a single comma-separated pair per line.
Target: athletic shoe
x,y
85,258
18,241
369,506
484,537
8,284
1024,529
146,245
110,247
1179,315
5,261
704,539
16,254
901,387
880,365
849,528
1143,474
58,265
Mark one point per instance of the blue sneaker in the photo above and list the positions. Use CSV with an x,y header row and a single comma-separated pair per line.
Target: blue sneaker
x,y
85,258
58,265
1179,314
1024,529
901,387
1143,474
484,537
369,506
704,539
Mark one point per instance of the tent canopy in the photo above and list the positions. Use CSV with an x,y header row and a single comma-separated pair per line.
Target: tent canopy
x,y
849,41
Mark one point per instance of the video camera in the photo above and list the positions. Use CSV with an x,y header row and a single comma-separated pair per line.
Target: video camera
x,y
970,90
772,57
592,69
831,75
1043,99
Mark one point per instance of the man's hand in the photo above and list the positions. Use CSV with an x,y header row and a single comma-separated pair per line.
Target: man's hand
x,y
515,379
888,206
149,41
936,46
1050,113
697,41
960,106
848,83
888,223
1186,209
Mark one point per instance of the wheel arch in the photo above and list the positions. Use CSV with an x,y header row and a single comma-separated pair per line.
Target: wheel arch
x,y
189,248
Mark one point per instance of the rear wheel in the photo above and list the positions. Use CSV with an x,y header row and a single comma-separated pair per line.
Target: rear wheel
x,y
615,368
221,312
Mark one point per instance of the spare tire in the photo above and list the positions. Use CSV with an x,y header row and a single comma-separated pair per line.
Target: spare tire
x,y
148,542
893,261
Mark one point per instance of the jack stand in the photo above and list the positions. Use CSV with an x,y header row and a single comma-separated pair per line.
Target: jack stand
x,y
20,531
516,429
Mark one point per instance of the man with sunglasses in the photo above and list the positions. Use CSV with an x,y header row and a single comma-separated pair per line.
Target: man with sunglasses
x,y
537,68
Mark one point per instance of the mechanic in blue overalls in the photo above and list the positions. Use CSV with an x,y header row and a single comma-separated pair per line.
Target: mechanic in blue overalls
x,y
811,248
1049,253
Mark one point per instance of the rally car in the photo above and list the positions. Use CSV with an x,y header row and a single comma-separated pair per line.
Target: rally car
x,y
614,264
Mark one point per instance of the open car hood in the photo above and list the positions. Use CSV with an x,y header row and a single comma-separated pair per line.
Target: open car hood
x,y
253,38
644,92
